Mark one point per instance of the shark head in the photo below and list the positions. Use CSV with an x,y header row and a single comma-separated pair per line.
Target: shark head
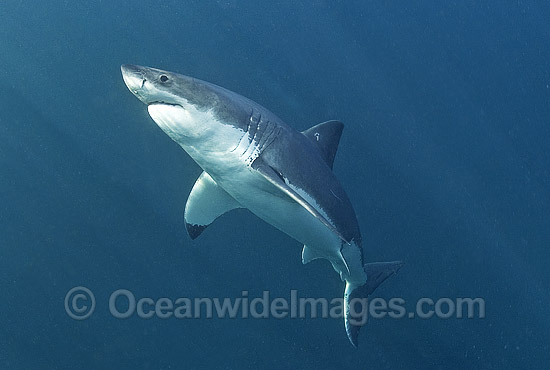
x,y
191,111
155,86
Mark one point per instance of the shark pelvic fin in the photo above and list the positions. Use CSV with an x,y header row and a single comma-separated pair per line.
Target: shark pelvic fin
x,y
309,254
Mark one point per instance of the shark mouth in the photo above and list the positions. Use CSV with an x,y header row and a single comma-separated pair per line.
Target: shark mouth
x,y
160,102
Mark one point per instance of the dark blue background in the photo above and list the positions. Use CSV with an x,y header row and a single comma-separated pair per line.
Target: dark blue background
x,y
444,155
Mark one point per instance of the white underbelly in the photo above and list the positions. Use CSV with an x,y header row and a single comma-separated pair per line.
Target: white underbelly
x,y
255,193
270,204
263,199
226,152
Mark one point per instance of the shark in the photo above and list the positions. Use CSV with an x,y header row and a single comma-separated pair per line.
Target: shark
x,y
252,159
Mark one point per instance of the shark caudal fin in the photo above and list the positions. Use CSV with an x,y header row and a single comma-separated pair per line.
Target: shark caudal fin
x,y
377,273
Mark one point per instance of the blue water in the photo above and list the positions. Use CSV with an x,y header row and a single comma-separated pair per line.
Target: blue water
x,y
444,156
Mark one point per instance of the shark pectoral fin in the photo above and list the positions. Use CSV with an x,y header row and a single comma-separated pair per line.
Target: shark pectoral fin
x,y
277,179
206,202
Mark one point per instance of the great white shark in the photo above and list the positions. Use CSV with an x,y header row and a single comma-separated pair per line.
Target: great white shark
x,y
252,159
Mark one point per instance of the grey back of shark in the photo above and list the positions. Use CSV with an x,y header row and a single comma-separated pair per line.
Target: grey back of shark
x,y
252,159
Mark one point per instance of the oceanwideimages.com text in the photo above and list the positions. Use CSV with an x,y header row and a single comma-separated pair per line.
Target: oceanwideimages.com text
x,y
80,304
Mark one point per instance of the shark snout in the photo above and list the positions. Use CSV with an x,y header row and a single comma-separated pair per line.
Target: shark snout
x,y
134,78
129,68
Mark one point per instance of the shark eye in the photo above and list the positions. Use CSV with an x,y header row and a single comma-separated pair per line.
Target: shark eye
x,y
163,78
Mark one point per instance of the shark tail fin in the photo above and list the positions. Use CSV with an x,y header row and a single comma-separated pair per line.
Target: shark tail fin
x,y
377,273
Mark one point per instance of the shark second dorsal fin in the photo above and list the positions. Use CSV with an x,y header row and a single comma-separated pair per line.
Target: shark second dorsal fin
x,y
326,136
206,202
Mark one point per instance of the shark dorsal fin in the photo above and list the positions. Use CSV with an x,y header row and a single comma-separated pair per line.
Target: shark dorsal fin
x,y
326,136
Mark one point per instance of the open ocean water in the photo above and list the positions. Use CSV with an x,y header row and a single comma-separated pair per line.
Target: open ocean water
x,y
445,156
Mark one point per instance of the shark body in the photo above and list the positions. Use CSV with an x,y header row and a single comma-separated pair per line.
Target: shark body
x,y
252,159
